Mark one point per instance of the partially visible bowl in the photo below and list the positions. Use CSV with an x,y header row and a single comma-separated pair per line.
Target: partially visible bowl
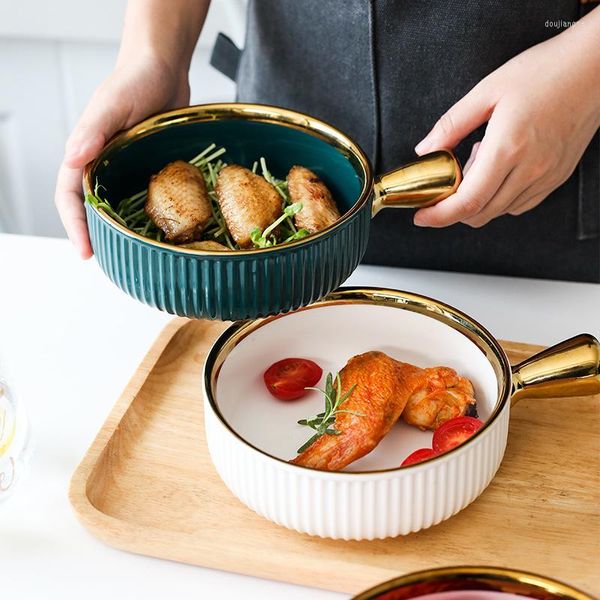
x,y
472,583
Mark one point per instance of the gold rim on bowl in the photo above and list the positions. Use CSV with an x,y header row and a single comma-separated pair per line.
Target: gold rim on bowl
x,y
424,305
262,113
499,579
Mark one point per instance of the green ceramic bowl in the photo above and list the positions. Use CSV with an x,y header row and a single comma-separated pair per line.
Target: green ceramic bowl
x,y
249,283
241,284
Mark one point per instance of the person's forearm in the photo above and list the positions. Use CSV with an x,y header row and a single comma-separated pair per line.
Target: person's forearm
x,y
166,31
583,39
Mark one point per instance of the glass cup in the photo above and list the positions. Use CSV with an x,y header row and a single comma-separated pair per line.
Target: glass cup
x,y
15,447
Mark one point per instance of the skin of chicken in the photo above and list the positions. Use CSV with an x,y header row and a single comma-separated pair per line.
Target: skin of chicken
x,y
383,386
206,245
443,395
385,389
178,202
247,202
318,207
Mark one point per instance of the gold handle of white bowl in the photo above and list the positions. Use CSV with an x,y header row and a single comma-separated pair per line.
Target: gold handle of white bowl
x,y
423,182
571,368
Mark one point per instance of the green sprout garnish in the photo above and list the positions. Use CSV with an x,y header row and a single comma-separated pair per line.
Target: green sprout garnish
x,y
334,399
266,239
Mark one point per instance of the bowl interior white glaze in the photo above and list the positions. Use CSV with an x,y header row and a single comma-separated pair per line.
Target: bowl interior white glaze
x,y
330,335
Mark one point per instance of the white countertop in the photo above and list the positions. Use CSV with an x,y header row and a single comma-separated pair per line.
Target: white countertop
x,y
69,342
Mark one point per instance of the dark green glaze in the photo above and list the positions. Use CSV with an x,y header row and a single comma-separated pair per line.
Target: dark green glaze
x,y
229,286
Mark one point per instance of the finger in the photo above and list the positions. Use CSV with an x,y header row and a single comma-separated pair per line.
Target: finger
x,y
81,150
70,207
98,123
484,178
471,158
529,199
517,181
465,116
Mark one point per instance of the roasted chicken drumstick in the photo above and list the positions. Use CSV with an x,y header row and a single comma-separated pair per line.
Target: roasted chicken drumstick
x,y
384,389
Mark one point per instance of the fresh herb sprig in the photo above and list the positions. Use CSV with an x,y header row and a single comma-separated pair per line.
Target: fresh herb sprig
x,y
334,399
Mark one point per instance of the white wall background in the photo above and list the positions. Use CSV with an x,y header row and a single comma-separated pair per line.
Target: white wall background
x,y
52,56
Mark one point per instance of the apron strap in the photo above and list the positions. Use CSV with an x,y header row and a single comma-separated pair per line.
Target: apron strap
x,y
225,56
588,209
588,217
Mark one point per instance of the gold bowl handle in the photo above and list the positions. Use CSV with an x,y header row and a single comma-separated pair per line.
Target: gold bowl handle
x,y
571,368
424,182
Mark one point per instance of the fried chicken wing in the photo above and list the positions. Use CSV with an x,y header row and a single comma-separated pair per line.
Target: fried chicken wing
x,y
178,202
206,245
443,396
385,389
318,207
383,386
247,201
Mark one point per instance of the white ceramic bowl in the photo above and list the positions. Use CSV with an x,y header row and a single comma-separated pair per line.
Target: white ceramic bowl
x,y
251,436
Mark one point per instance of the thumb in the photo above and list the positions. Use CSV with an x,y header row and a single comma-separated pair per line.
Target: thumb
x,y
82,149
98,124
465,116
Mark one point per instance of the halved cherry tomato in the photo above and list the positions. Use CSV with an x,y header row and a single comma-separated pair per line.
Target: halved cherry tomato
x,y
287,378
454,432
418,456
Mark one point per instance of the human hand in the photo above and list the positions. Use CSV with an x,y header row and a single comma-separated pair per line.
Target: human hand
x,y
131,93
542,108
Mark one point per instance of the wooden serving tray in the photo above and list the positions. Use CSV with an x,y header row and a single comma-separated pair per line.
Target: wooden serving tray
x,y
147,485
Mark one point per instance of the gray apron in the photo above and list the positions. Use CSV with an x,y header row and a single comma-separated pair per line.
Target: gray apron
x,y
383,71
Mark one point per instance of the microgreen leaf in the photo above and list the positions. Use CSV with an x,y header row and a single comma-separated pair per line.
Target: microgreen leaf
x,y
298,235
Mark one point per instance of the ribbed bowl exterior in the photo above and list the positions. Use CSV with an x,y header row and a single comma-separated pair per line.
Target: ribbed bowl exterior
x,y
357,506
230,286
